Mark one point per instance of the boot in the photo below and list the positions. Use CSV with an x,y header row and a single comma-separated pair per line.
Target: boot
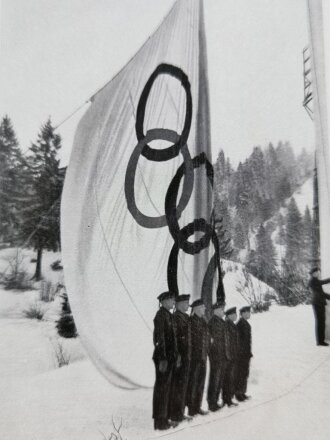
x,y
161,424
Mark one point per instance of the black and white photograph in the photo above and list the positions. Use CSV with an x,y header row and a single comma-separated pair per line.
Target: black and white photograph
x,y
164,219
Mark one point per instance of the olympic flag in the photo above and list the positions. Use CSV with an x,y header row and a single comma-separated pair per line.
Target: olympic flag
x,y
137,204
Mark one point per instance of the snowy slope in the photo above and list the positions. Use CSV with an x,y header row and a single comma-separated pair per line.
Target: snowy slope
x,y
242,288
27,263
304,195
289,384
304,198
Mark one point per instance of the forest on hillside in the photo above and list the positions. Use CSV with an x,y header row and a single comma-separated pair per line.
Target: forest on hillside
x,y
260,216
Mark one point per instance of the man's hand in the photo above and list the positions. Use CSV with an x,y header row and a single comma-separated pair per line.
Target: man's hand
x,y
163,366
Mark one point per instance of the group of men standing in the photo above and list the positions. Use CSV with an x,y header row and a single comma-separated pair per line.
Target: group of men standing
x,y
182,345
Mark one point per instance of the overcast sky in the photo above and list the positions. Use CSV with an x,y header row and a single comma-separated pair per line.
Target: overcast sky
x,y
56,53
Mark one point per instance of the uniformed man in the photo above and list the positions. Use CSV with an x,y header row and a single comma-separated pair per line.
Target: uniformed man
x,y
181,373
244,354
165,357
217,355
199,351
231,338
319,302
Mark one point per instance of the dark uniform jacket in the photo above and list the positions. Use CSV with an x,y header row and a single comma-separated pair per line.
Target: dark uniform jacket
x,y
318,295
217,329
244,339
231,340
199,338
164,336
183,334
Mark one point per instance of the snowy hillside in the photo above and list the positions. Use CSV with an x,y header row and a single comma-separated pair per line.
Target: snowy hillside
x,y
26,261
242,288
303,197
289,377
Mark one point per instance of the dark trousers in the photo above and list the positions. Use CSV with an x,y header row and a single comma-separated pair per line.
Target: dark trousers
x,y
229,382
216,380
242,375
196,385
178,398
319,313
162,390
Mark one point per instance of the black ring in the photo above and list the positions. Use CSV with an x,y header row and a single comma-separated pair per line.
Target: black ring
x,y
173,150
187,170
181,235
195,247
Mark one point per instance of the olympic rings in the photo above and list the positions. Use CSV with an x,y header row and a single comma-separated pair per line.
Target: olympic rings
x,y
186,171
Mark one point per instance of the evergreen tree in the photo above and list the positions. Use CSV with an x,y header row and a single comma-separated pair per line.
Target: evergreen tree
x,y
289,165
41,209
224,239
305,161
273,177
256,163
65,325
222,211
283,189
243,202
265,255
229,169
281,237
10,162
221,170
239,236
294,234
252,263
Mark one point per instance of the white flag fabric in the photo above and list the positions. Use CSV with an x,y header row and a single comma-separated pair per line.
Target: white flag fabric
x,y
137,200
319,31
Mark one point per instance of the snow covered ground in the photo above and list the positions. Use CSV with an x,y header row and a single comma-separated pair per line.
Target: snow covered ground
x,y
289,382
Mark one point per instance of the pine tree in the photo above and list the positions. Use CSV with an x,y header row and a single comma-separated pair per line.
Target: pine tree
x,y
305,160
224,238
256,163
294,234
65,325
220,169
284,189
265,255
239,236
281,237
252,263
243,202
41,209
289,165
10,161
